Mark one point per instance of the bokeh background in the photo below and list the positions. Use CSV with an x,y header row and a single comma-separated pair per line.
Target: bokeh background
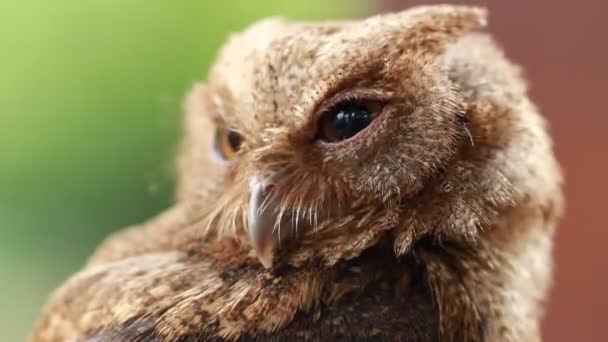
x,y
90,104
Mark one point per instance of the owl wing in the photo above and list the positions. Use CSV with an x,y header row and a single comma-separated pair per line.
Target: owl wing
x,y
219,291
366,318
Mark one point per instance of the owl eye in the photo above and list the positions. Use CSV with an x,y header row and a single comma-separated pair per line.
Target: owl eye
x,y
227,142
345,120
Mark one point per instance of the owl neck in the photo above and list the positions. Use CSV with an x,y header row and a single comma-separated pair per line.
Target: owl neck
x,y
491,289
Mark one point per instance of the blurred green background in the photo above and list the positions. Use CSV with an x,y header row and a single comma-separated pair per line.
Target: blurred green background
x,y
90,105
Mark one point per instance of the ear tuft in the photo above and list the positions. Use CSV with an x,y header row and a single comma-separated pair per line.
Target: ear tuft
x,y
428,29
451,17
432,27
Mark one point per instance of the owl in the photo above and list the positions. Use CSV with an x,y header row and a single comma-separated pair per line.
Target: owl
x,y
384,179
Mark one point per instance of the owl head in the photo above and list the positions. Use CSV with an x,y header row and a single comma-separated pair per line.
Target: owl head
x,y
313,141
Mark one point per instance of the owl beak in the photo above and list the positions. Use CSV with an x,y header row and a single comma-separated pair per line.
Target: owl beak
x,y
264,230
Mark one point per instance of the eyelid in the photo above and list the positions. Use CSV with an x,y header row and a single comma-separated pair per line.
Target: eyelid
x,y
353,95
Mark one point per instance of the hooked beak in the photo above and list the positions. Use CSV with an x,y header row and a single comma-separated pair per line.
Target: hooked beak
x,y
265,231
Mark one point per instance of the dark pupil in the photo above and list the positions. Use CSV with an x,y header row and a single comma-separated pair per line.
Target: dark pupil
x,y
351,119
234,139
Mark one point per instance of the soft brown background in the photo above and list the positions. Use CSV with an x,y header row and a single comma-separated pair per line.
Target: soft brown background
x,y
563,45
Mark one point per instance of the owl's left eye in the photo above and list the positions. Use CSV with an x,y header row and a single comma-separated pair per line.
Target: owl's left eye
x,y
227,143
345,121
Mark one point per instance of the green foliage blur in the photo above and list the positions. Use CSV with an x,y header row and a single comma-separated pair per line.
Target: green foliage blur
x,y
90,103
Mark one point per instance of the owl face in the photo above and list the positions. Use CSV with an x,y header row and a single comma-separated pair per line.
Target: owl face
x,y
312,132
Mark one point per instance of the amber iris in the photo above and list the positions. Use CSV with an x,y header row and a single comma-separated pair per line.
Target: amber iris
x,y
227,142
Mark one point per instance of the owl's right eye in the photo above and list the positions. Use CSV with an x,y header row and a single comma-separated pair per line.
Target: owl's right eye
x,y
345,120
227,143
